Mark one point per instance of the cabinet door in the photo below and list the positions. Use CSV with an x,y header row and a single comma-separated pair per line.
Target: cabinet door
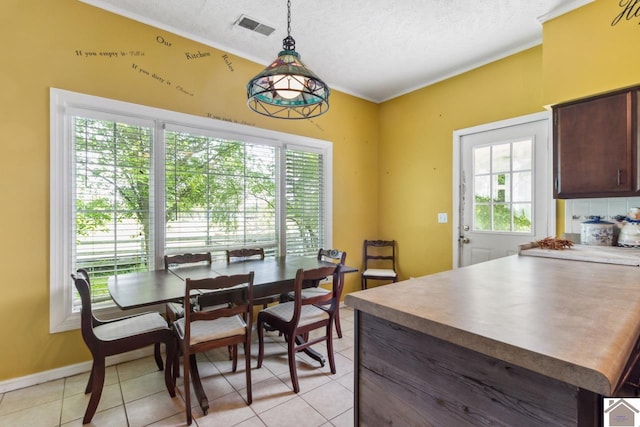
x,y
593,148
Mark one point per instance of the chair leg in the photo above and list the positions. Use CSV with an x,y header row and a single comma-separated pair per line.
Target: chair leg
x,y
97,380
187,386
87,389
291,352
332,362
234,362
158,356
260,327
247,367
169,372
337,320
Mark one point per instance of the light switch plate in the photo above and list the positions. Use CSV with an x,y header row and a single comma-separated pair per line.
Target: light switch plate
x,y
442,218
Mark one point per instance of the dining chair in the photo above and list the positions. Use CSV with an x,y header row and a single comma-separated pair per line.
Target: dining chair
x,y
108,337
297,318
247,254
379,261
330,255
202,330
175,310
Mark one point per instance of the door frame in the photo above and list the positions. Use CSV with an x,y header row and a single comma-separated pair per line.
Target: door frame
x,y
546,181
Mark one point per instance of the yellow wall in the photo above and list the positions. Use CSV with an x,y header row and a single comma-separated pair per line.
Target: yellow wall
x,y
392,162
585,54
41,40
416,151
589,51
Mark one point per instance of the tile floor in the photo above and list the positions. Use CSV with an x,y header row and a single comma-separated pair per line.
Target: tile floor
x,y
134,393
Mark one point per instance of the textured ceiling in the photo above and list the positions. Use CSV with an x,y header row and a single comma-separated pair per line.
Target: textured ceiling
x,y
373,49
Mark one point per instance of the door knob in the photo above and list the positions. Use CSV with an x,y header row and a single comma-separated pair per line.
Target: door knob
x,y
463,239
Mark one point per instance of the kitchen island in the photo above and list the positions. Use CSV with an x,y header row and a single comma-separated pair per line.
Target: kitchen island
x,y
514,341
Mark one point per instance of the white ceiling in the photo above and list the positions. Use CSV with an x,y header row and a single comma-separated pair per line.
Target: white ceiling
x,y
373,49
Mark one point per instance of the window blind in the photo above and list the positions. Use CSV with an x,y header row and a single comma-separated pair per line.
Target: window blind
x,y
113,218
220,193
304,202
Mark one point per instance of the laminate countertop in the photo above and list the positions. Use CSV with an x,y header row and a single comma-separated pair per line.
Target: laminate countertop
x,y
574,321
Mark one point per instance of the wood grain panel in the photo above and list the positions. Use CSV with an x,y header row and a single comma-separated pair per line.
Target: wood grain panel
x,y
408,378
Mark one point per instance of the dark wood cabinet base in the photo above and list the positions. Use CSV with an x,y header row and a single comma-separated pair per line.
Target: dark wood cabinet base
x,y
404,377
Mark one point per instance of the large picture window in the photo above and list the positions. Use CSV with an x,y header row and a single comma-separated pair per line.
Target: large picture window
x,y
130,184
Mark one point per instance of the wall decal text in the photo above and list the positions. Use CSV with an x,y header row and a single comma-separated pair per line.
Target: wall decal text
x,y
630,10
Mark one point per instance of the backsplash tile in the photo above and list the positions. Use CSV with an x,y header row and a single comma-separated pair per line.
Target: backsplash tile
x,y
579,210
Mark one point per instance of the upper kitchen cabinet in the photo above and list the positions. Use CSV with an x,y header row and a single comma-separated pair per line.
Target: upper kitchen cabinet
x,y
595,146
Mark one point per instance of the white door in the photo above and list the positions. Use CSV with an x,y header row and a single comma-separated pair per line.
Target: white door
x,y
504,192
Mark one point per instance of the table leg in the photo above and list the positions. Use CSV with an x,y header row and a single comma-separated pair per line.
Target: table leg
x,y
197,385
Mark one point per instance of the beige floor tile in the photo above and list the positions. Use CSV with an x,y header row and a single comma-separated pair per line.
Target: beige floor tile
x,y
309,377
348,353
30,397
74,406
343,364
177,420
144,385
270,393
42,415
152,409
343,420
294,413
330,399
227,410
77,383
251,422
344,342
113,417
347,381
137,368
214,386
238,379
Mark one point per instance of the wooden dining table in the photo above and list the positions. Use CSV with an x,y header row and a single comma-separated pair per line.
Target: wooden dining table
x,y
272,276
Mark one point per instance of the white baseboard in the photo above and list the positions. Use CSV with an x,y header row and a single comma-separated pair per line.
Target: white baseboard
x,y
67,371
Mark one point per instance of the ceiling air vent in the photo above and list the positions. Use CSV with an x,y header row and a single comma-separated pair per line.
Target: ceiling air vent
x,y
253,25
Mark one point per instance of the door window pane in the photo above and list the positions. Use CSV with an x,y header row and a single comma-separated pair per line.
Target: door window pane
x,y
501,158
482,188
503,190
482,218
482,160
522,219
522,155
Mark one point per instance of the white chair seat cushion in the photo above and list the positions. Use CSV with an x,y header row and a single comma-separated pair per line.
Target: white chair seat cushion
x,y
309,313
380,272
130,326
211,330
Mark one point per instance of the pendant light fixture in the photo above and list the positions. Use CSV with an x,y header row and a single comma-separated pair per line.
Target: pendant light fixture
x,y
287,89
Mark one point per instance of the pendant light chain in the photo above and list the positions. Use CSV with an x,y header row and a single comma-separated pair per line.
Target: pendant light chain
x,y
289,43
289,18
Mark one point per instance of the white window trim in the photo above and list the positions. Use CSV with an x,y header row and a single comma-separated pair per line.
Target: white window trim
x,y
61,317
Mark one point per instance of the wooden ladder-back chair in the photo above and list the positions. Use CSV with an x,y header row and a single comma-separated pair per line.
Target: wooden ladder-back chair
x,y
335,256
115,336
247,254
295,319
379,261
175,310
202,330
